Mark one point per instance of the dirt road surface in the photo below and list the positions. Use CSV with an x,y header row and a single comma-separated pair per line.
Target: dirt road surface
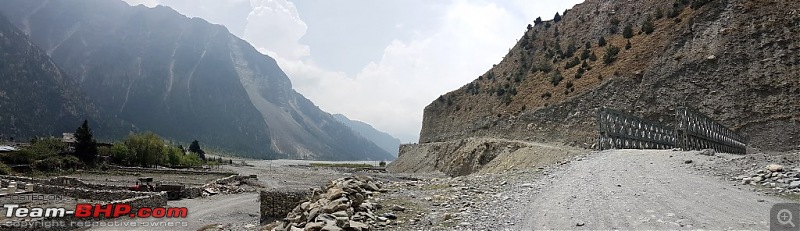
x,y
239,210
636,189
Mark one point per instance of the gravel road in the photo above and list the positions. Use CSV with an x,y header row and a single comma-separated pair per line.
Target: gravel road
x,y
636,189
239,211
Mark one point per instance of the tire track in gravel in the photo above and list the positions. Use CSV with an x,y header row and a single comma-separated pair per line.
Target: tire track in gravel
x,y
643,189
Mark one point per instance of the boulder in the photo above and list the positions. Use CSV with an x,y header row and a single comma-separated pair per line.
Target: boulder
x,y
314,226
708,152
358,226
794,184
775,167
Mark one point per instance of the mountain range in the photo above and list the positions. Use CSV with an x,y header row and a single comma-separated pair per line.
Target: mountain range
x,y
182,78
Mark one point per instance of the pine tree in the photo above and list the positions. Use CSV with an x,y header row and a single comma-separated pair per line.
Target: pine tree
x,y
601,42
195,148
557,18
627,32
85,145
537,21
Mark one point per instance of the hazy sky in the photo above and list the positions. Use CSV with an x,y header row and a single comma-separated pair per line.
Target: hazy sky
x,y
382,61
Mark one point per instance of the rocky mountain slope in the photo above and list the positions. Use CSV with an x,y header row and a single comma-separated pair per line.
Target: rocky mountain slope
x,y
384,140
36,97
734,60
184,79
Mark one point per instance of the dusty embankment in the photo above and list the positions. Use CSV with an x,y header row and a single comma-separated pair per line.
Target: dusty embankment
x,y
462,157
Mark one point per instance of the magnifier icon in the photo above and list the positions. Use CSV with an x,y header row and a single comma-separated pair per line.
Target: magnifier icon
x,y
785,217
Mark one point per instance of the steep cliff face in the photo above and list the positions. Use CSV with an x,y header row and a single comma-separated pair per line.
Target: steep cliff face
x,y
734,60
184,79
36,97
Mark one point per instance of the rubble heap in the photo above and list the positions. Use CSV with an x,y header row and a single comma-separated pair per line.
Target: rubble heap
x,y
344,205
774,176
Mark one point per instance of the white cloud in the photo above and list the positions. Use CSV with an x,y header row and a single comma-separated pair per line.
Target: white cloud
x,y
275,25
391,93
148,3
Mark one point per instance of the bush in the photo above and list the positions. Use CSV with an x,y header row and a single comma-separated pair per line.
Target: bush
x,y
699,3
5,170
611,54
546,95
628,45
592,57
579,73
545,67
571,48
574,62
614,26
659,13
601,42
23,156
627,32
585,54
537,21
557,18
382,164
556,78
647,26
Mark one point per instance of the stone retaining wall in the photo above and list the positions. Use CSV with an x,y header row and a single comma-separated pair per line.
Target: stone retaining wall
x,y
63,181
275,204
170,171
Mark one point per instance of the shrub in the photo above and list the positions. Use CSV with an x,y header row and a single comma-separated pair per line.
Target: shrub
x,y
557,18
647,26
537,21
574,62
5,170
610,55
659,13
569,85
556,78
614,26
546,95
382,164
500,91
579,73
530,27
601,42
699,3
592,57
571,48
627,32
628,45
585,54
545,67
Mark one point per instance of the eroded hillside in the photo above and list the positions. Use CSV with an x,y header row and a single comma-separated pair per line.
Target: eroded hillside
x,y
733,60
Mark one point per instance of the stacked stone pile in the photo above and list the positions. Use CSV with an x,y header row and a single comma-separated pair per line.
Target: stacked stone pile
x,y
774,176
344,205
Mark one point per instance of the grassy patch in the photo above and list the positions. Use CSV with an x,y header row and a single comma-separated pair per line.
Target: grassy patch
x,y
341,165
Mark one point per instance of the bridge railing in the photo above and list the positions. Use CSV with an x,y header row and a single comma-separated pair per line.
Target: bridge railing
x,y
696,131
622,130
693,131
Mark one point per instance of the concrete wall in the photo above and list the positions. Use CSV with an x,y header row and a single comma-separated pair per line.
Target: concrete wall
x,y
276,204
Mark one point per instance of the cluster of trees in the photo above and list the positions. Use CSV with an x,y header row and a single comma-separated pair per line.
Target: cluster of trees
x,y
145,150
149,150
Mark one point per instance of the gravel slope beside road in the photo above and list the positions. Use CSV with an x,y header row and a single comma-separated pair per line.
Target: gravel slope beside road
x,y
637,189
